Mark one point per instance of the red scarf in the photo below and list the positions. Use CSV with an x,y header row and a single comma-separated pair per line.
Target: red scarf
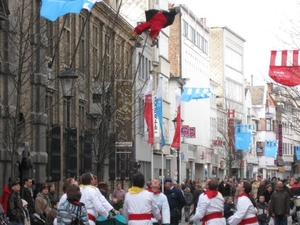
x,y
154,192
211,193
243,194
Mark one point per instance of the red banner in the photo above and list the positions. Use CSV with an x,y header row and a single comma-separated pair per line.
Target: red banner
x,y
287,72
176,139
148,115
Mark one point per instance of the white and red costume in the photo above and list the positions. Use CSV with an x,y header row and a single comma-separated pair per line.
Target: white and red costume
x,y
139,207
210,208
95,203
163,206
246,212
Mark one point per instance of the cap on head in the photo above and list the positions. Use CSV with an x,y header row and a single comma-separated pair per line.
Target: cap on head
x,y
168,180
14,182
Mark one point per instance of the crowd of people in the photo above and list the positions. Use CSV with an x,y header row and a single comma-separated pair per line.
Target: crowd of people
x,y
214,202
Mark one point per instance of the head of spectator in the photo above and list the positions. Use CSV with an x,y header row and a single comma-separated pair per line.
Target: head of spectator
x,y
67,183
279,185
103,187
262,199
225,180
28,183
269,187
138,180
15,185
168,184
51,188
95,180
44,188
73,193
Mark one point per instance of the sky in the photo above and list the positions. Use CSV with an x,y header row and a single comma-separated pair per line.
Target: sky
x,y
265,25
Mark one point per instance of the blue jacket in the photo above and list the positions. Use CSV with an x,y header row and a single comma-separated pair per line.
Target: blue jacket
x,y
176,201
68,211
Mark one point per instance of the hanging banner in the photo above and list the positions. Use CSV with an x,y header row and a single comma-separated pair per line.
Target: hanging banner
x,y
271,148
297,152
242,136
280,139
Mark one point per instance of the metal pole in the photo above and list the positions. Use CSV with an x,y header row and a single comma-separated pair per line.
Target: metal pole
x,y
67,161
178,167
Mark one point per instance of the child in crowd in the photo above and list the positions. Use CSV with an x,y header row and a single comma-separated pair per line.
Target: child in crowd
x,y
262,211
188,202
229,207
51,216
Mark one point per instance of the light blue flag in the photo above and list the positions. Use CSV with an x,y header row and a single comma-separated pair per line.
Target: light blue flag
x,y
242,136
159,114
271,148
297,152
195,93
52,9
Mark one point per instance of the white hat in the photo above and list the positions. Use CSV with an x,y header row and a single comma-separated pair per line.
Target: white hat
x,y
24,203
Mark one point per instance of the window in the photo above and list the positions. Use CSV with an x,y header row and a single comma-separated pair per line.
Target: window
x,y
81,49
234,59
95,49
269,125
193,35
258,125
141,123
185,29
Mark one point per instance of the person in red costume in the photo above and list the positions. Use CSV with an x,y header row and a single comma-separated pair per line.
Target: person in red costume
x,y
5,195
155,21
210,206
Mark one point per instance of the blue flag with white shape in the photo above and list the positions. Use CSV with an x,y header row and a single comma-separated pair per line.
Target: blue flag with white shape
x,y
159,113
52,9
297,152
195,93
242,136
271,148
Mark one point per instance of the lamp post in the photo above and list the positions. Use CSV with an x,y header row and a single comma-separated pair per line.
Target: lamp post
x,y
68,78
178,157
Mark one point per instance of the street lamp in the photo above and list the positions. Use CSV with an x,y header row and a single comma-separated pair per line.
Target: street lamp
x,y
68,78
178,159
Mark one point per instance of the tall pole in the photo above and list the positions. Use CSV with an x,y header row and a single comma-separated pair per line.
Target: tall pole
x,y
178,166
67,160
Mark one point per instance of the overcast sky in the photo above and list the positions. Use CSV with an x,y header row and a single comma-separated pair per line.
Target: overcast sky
x,y
264,24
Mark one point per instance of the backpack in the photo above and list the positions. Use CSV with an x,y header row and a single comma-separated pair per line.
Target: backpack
x,y
77,219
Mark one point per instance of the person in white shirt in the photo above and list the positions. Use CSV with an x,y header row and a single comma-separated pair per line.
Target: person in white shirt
x,y
95,203
161,201
246,212
139,206
210,206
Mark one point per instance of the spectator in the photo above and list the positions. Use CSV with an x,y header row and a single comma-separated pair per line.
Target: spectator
x,y
103,188
26,212
229,207
51,193
224,188
268,192
15,211
262,187
67,183
188,196
176,201
262,211
280,204
119,193
27,194
52,215
72,208
5,195
255,186
42,203
198,191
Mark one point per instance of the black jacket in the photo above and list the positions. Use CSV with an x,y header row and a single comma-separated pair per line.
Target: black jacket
x,y
224,189
15,208
176,201
26,195
280,203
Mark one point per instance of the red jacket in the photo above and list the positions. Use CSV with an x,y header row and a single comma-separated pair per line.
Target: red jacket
x,y
4,197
